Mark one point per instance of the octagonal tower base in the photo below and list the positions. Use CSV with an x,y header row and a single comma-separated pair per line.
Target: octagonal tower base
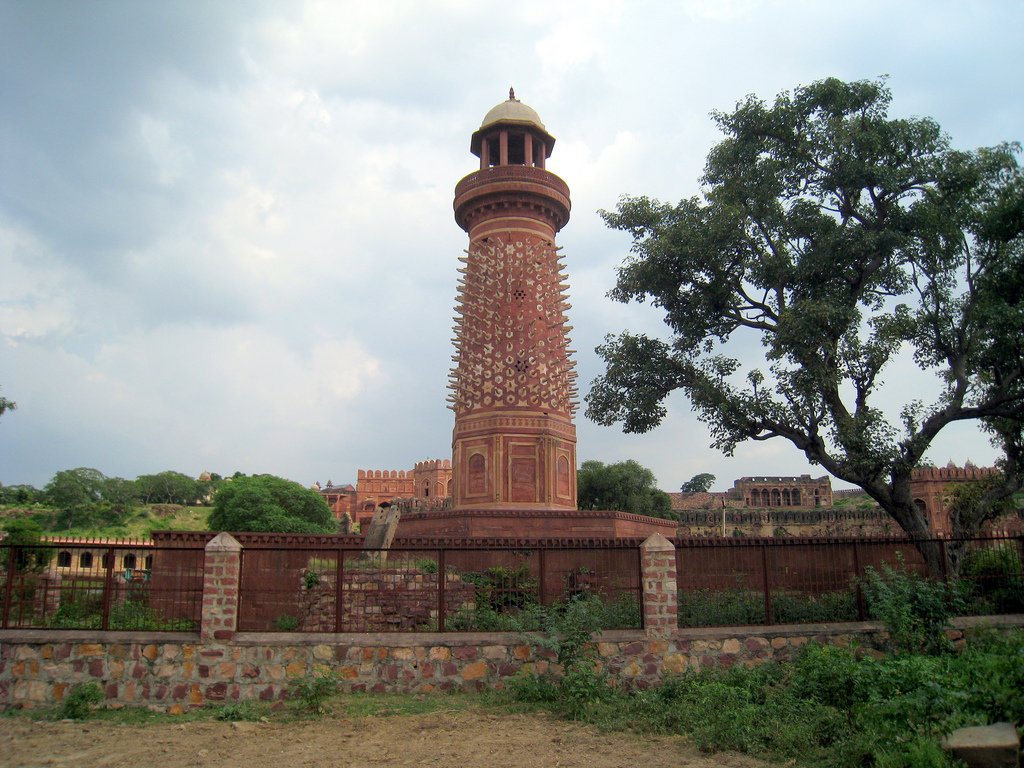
x,y
530,524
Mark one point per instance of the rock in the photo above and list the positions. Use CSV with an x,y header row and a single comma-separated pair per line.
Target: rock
x,y
985,746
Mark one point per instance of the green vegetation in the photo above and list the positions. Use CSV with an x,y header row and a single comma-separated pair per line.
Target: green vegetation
x,y
84,502
268,503
7,405
625,487
915,610
81,700
139,523
698,483
24,533
85,611
507,600
830,708
994,579
310,692
838,238
737,607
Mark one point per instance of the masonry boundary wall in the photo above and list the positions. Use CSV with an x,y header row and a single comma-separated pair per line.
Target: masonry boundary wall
x,y
177,671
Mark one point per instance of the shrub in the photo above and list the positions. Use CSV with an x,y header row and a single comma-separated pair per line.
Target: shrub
x,y
916,611
286,622
993,580
81,700
425,565
235,711
312,691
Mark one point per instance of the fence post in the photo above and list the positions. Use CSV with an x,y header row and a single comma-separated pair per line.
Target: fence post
x,y
9,586
108,587
858,577
660,603
221,576
442,579
768,614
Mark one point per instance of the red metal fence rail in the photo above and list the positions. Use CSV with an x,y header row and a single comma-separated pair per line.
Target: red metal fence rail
x,y
727,582
433,588
103,585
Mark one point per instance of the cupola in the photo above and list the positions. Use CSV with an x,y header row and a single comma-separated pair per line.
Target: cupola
x,y
512,134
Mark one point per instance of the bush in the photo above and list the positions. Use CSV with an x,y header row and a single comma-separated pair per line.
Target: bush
x,y
916,611
268,503
81,700
286,622
993,580
311,691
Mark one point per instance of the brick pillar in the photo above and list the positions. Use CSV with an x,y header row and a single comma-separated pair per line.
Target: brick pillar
x,y
658,563
221,573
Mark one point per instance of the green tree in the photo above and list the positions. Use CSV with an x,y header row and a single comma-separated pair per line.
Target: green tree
x,y
700,483
6,405
625,487
26,534
168,488
19,494
837,237
268,503
77,493
119,495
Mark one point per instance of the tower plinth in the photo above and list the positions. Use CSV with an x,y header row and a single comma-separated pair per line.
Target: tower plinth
x,y
513,383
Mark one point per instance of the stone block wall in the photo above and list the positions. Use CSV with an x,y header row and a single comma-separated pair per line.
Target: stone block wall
x,y
380,600
176,671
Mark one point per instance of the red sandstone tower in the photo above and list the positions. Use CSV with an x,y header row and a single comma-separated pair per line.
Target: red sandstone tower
x,y
513,383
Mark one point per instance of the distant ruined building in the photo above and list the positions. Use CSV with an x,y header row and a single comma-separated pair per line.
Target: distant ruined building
x,y
805,506
929,487
795,492
426,486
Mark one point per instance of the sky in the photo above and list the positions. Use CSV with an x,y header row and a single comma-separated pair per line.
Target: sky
x,y
226,230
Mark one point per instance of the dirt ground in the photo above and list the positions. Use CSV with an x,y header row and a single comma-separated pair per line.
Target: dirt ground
x,y
462,739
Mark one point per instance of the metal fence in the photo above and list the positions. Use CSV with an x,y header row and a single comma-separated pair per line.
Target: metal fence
x,y
434,588
459,586
103,585
730,582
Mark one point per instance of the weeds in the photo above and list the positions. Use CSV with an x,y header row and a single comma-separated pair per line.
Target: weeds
x,y
311,691
915,610
81,701
828,708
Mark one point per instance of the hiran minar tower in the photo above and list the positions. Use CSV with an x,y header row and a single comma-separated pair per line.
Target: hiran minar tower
x,y
513,383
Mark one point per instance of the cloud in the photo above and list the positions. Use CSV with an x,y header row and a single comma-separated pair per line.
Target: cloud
x,y
226,234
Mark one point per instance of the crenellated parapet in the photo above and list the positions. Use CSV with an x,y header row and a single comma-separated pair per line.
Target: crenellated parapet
x,y
930,487
382,474
952,473
432,464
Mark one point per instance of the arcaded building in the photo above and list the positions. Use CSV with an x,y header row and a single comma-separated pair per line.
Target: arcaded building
x,y
803,492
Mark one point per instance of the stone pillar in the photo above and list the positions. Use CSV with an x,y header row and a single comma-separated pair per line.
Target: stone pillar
x,y
221,575
661,607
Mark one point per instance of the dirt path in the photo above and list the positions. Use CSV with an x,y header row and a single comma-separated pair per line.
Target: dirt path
x,y
463,739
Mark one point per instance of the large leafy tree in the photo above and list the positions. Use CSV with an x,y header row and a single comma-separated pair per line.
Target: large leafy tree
x,y
168,488
7,405
625,487
700,483
268,503
839,238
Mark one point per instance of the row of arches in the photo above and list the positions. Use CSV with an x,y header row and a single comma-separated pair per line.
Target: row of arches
x,y
86,560
778,497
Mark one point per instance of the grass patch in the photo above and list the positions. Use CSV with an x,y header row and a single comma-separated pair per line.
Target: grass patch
x,y
828,709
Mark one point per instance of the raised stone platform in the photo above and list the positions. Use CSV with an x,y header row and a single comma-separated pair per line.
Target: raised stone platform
x,y
531,523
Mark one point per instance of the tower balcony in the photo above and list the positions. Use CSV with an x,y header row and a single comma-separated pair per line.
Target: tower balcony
x,y
512,191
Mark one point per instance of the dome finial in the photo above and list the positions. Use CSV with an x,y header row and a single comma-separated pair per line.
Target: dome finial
x,y
512,94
